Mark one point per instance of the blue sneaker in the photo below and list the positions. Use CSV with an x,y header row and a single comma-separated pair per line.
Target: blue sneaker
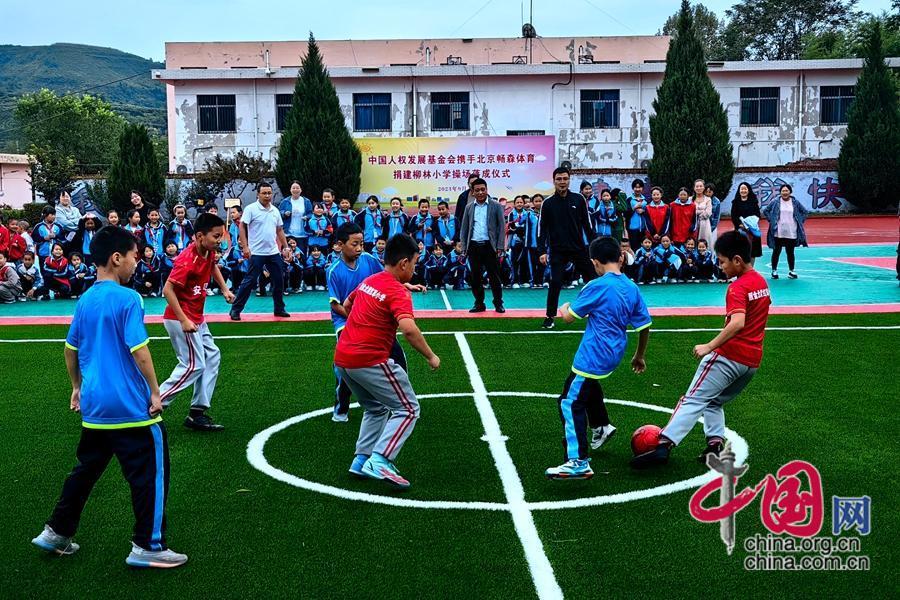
x,y
378,467
573,469
356,467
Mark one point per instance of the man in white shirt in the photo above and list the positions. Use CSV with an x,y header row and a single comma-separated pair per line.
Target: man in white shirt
x,y
261,241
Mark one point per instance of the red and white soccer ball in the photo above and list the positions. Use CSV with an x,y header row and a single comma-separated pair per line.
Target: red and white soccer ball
x,y
645,439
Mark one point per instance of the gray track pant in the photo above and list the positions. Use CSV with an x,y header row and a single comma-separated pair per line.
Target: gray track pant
x,y
390,404
198,365
717,381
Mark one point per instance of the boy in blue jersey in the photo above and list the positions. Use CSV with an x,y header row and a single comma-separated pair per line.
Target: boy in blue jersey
x,y
343,277
107,342
611,303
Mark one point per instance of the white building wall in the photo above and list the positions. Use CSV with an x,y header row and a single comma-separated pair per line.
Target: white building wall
x,y
502,103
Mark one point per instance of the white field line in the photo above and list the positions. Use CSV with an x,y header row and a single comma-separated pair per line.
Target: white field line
x,y
275,336
541,570
446,300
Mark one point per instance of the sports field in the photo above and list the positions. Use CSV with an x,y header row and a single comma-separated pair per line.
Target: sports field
x,y
267,508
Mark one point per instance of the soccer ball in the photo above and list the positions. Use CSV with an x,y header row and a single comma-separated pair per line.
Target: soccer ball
x,y
645,439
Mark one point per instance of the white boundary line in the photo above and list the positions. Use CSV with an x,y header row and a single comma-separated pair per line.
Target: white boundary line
x,y
273,336
446,300
541,570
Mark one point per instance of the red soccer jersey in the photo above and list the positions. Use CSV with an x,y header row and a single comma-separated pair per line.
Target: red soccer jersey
x,y
190,278
748,294
379,303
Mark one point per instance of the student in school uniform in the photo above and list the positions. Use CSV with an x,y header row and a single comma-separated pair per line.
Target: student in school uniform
x,y
421,225
114,387
319,228
446,232
396,221
343,215
658,216
180,230
371,222
637,218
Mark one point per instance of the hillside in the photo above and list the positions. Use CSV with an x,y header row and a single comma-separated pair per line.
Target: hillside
x,y
74,67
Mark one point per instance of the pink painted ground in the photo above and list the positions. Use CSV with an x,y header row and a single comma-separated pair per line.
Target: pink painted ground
x,y
842,230
885,262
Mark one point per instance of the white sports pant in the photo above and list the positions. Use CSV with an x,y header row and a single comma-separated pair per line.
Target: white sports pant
x,y
198,365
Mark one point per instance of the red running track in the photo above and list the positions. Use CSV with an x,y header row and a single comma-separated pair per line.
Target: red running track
x,y
844,229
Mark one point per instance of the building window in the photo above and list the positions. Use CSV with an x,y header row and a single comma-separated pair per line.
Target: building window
x,y
759,106
599,109
216,113
371,112
450,111
282,106
836,100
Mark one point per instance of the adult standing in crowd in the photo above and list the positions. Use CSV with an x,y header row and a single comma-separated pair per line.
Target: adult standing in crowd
x,y
564,231
483,235
143,208
261,239
67,217
704,212
464,199
746,205
716,212
786,228
294,211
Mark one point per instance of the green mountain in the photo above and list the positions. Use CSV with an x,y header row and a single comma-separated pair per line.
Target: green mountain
x,y
67,68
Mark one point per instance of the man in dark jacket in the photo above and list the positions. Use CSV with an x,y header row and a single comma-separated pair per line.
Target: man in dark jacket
x,y
483,236
564,232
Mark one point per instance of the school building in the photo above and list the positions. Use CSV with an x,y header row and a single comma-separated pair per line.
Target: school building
x,y
593,94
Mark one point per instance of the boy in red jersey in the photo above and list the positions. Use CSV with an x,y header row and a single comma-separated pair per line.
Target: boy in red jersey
x,y
728,362
377,308
185,291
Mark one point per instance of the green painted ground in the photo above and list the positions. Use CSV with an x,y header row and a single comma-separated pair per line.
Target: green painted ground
x,y
819,396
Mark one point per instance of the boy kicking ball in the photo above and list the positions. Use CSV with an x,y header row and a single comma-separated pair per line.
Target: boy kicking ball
x,y
185,292
376,309
115,389
611,303
727,363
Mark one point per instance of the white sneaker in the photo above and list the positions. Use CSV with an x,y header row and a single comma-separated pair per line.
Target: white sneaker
x,y
526,285
159,559
515,286
50,541
602,435
320,288
338,418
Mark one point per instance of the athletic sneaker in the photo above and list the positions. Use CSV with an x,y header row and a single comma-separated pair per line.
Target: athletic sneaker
x,y
340,418
159,559
653,458
202,423
774,274
356,467
602,435
52,542
378,467
713,446
792,275
572,469
548,323
515,286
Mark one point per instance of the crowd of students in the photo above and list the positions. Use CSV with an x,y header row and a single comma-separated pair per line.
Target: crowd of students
x,y
665,242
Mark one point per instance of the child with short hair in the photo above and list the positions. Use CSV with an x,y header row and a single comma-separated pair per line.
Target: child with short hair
x,y
224,269
81,275
378,250
459,267
419,274
669,260
727,362
396,221
167,263
344,214
180,230
706,263
295,281
318,227
287,269
314,270
114,388
689,270
112,218
611,303
17,243
185,293
437,268
147,274
47,233
446,232
421,226
56,272
644,263
376,309
30,277
10,286
133,225
334,255
25,232
371,222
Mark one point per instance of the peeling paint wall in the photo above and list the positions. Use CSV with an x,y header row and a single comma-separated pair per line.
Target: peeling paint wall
x,y
548,103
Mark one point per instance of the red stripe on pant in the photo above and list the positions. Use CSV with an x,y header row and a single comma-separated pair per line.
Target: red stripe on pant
x,y
175,389
694,387
395,439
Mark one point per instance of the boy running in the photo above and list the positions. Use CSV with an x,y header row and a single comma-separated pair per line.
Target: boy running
x,y
185,292
342,277
114,387
611,303
727,363
376,309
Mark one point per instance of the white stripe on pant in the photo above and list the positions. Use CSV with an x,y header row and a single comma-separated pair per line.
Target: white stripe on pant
x,y
717,381
391,407
198,365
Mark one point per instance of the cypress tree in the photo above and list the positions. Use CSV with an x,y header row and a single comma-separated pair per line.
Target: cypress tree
x,y
869,162
689,130
135,167
315,148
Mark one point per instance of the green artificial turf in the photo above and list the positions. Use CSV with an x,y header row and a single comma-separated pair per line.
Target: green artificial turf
x,y
827,397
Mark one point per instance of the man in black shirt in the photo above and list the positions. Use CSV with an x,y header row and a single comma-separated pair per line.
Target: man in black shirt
x,y
562,229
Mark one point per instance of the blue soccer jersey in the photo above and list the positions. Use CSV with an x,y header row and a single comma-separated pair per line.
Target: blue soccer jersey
x,y
342,280
107,328
611,303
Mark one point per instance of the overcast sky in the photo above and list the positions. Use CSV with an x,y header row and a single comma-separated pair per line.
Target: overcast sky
x,y
142,28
